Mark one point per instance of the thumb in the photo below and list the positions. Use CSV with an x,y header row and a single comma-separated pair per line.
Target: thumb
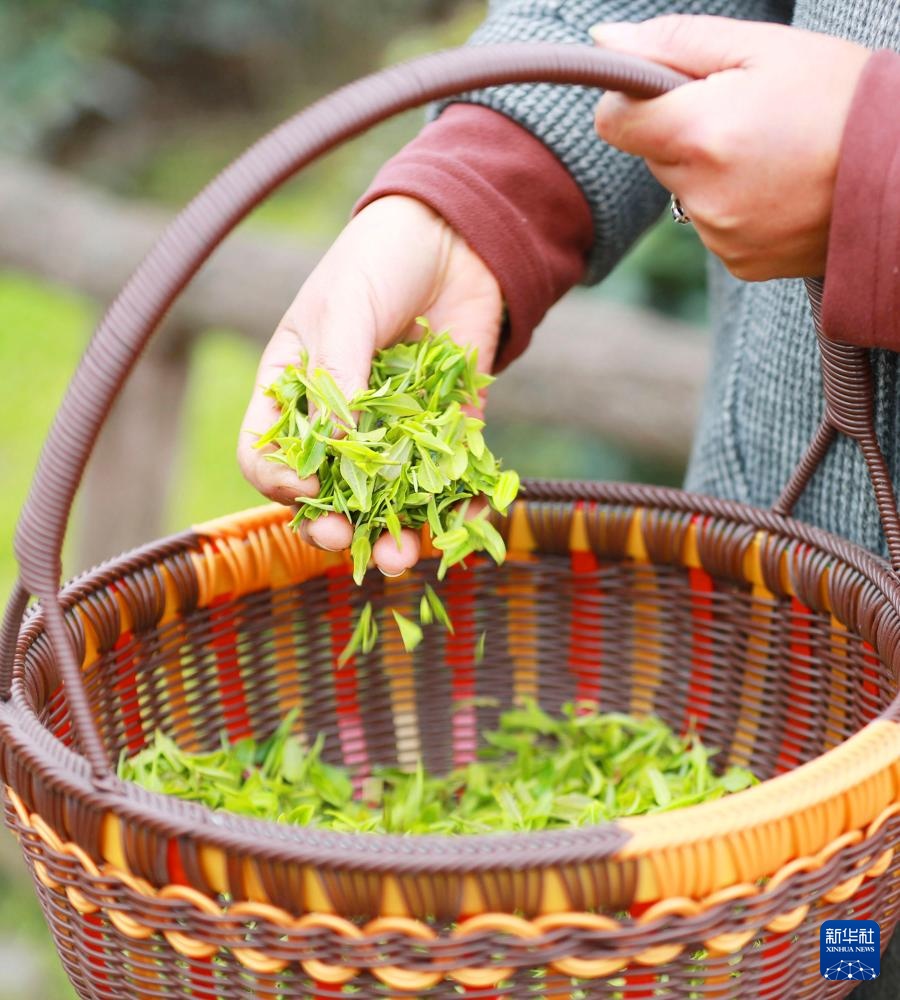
x,y
695,44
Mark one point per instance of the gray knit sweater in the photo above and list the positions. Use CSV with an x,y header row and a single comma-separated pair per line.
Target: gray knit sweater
x,y
763,399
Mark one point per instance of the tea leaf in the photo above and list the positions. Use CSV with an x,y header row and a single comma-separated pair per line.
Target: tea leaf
x,y
437,608
534,772
328,391
505,491
361,552
412,458
358,482
410,633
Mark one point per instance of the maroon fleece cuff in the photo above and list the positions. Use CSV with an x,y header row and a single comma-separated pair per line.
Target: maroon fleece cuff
x,y
509,197
862,284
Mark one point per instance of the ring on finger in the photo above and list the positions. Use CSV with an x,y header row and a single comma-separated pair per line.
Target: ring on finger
x,y
678,213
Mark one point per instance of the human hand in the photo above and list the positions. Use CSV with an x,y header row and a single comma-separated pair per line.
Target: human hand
x,y
396,260
751,148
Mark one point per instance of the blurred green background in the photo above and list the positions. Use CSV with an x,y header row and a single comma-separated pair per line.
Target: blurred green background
x,y
148,100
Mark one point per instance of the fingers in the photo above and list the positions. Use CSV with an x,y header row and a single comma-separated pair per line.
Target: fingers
x,y
674,128
330,531
393,559
339,328
697,45
335,533
272,479
683,127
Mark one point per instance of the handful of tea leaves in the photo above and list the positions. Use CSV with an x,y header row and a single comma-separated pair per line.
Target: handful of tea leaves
x,y
400,454
537,772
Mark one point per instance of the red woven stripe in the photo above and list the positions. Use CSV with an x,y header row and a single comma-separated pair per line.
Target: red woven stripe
x,y
633,979
346,682
202,976
460,603
177,874
871,671
585,643
59,723
93,931
772,979
126,688
700,689
790,754
232,696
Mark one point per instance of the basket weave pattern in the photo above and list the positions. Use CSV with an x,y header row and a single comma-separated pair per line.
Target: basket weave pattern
x,y
635,608
779,643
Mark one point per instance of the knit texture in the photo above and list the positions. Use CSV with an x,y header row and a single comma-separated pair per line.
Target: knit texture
x,y
625,197
764,397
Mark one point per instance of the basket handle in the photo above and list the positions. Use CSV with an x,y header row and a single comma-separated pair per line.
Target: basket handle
x,y
184,246
193,235
850,410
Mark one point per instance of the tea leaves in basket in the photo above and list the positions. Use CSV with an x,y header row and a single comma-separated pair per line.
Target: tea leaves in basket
x,y
535,772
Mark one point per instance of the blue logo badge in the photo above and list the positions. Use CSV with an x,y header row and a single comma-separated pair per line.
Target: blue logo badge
x,y
850,949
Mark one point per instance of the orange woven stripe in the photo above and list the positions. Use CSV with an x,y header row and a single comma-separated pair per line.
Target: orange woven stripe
x,y
749,836
752,691
646,624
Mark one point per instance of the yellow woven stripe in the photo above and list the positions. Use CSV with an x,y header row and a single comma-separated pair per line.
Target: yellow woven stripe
x,y
578,536
214,866
111,846
401,673
284,655
647,663
521,543
521,596
747,724
315,896
393,903
176,693
750,835
253,883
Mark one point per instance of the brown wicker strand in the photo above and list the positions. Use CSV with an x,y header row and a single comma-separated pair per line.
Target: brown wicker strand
x,y
812,459
12,619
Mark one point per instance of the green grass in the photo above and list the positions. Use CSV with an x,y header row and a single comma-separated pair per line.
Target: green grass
x,y
221,378
42,333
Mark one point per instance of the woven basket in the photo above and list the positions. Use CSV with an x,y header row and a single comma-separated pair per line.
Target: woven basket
x,y
777,640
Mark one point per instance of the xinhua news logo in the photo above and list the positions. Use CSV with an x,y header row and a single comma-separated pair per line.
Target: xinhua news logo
x,y
850,949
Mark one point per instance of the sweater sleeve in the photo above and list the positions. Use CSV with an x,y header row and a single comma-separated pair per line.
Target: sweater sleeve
x,y
862,283
511,200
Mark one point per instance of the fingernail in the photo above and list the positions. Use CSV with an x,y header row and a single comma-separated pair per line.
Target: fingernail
x,y
393,576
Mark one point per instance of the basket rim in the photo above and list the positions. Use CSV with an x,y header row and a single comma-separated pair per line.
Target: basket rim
x,y
809,785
